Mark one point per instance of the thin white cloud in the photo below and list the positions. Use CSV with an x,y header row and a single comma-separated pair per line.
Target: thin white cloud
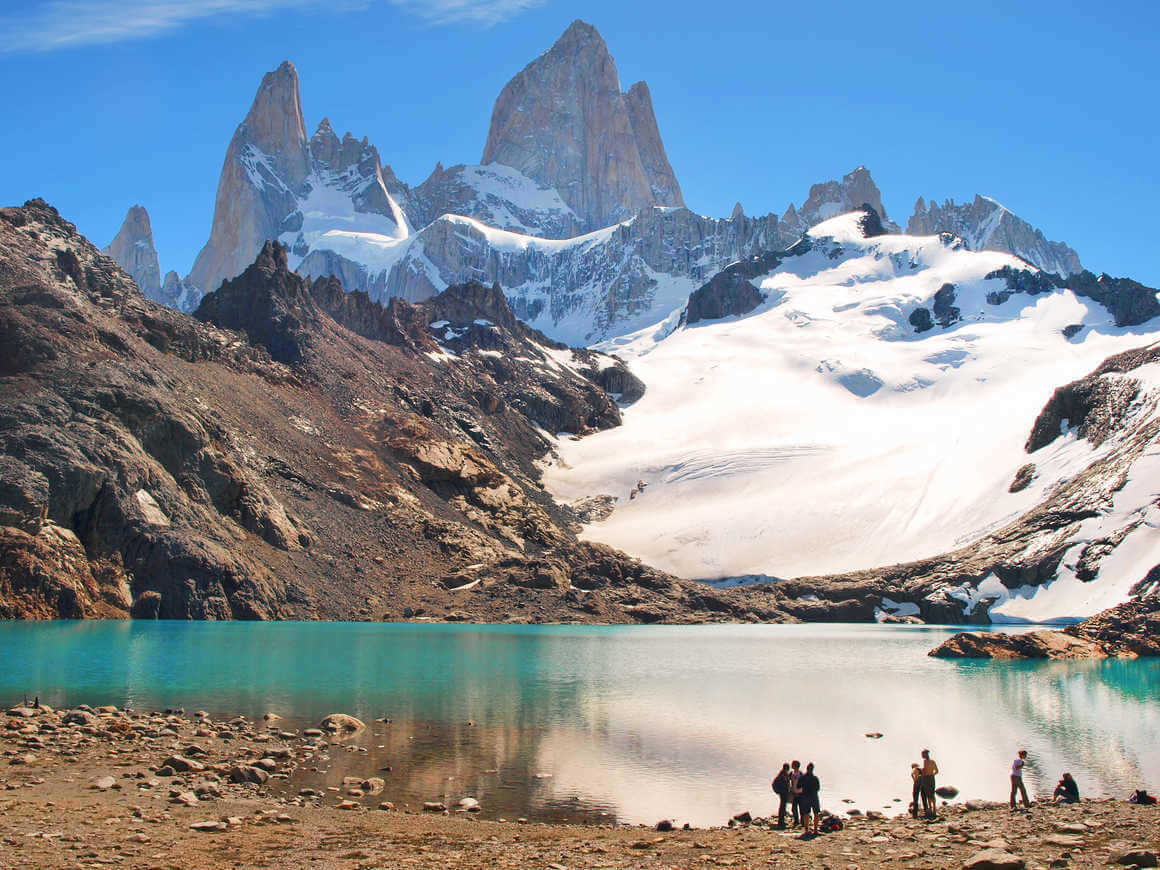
x,y
51,25
486,12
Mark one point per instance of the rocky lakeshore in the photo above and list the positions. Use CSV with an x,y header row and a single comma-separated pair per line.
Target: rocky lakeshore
x,y
106,787
1129,630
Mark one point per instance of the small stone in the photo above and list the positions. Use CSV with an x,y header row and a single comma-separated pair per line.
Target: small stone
x,y
373,785
1138,857
434,807
207,827
994,859
469,804
185,765
104,783
347,805
1066,841
386,805
187,798
138,838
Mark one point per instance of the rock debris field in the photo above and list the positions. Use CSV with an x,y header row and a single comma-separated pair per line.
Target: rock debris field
x,y
106,787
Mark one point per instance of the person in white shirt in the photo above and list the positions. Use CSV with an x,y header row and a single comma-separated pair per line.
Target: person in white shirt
x,y
1017,778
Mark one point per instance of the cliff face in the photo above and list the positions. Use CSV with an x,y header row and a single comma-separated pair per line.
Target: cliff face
x,y
297,452
564,122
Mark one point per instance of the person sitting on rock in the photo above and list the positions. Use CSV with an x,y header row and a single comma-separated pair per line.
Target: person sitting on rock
x,y
1067,792
811,808
1017,779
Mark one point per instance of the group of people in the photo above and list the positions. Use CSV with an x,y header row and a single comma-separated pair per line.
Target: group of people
x,y
1066,791
798,792
922,776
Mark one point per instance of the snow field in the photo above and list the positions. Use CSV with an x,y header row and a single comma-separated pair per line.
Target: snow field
x,y
821,434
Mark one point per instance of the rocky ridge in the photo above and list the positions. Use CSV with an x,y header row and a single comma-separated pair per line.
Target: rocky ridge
x,y
1129,630
297,452
986,225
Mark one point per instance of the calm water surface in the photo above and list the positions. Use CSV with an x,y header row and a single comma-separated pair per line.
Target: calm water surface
x,y
632,723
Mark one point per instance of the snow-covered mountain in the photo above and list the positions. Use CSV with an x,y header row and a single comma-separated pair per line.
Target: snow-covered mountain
x,y
986,225
870,404
575,209
276,183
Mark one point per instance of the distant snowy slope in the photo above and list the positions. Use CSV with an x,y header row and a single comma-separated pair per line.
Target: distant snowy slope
x,y
873,409
496,195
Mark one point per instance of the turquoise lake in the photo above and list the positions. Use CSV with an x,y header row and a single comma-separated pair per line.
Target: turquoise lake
x,y
623,723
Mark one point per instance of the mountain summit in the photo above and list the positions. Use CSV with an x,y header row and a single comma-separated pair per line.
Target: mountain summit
x,y
271,174
267,159
563,122
132,249
986,225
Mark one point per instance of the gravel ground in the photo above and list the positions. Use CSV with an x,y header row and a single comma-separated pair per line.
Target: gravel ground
x,y
89,790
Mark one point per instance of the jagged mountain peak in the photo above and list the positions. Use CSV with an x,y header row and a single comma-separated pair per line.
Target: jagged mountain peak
x,y
267,302
563,122
132,249
276,184
579,33
275,124
985,224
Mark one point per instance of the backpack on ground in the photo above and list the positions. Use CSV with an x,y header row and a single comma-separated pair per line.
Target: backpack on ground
x,y
1140,796
832,824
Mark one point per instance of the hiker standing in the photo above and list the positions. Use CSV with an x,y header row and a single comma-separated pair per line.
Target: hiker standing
x,y
915,788
811,807
781,789
795,792
1017,779
926,784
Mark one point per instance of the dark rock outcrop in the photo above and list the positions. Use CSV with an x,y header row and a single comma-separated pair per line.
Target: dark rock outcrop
x,y
1094,405
1130,302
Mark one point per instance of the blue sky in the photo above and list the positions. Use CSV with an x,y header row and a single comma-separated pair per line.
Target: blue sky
x,y
1050,108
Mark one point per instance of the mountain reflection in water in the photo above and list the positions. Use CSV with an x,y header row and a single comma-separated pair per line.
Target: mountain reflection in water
x,y
625,723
